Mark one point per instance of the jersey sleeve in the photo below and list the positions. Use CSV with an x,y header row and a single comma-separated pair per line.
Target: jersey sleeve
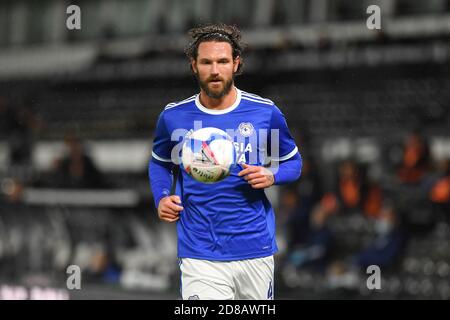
x,y
162,144
282,145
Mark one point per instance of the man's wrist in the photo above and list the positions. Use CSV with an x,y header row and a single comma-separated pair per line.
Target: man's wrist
x,y
270,176
164,193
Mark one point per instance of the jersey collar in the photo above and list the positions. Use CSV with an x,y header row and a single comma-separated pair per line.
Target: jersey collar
x,y
223,111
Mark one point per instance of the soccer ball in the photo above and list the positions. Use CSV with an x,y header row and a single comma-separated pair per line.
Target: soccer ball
x,y
208,155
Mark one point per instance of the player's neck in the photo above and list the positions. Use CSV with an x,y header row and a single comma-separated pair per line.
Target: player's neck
x,y
221,103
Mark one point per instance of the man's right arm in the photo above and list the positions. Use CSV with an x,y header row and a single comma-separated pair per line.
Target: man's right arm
x,y
160,174
160,180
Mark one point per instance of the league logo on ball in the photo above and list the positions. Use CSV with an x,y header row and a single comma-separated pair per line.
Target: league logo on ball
x,y
208,155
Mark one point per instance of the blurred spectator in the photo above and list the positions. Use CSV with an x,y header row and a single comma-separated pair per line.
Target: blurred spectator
x,y
102,267
12,191
387,245
374,200
350,185
354,190
293,217
309,186
297,203
440,190
384,252
76,169
416,160
314,253
19,123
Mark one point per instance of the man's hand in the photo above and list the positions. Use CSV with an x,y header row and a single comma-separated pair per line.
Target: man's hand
x,y
258,177
168,209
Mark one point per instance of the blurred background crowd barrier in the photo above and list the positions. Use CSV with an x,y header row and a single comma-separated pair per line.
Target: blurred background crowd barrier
x,y
369,110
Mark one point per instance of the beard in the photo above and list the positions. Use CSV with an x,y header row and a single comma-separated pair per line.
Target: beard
x,y
215,94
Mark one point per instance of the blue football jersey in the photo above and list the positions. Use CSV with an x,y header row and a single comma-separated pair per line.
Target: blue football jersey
x,y
227,220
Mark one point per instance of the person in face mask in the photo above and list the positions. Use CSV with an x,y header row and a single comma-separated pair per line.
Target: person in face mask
x,y
384,225
388,243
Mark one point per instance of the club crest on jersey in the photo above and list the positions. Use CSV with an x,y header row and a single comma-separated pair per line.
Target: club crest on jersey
x,y
246,129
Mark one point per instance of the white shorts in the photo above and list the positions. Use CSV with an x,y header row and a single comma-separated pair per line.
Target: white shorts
x,y
227,280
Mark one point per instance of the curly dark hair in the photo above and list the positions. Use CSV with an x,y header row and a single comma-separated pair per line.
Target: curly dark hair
x,y
219,32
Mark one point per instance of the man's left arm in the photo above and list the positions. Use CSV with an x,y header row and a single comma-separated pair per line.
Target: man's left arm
x,y
289,170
